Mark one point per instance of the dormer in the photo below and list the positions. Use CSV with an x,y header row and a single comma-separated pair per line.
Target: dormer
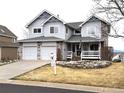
x,y
93,27
75,27
55,27
46,24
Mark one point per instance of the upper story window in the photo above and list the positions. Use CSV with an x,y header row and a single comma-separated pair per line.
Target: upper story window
x,y
53,30
92,32
37,30
77,32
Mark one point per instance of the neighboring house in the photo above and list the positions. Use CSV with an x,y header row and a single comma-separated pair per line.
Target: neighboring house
x,y
8,48
77,40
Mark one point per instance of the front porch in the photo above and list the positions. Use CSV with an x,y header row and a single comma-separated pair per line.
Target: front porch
x,y
84,51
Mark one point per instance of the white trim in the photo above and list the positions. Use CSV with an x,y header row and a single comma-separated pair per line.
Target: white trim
x,y
2,30
54,30
37,17
36,28
46,20
52,15
91,17
74,32
8,36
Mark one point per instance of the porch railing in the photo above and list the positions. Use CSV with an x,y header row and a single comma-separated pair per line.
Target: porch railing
x,y
90,55
69,55
85,55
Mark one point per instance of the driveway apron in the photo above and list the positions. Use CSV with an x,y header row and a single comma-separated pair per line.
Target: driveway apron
x,y
14,69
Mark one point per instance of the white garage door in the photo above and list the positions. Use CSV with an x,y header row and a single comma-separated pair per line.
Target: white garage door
x,y
46,51
29,53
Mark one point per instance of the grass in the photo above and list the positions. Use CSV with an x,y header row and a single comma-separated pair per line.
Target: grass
x,y
112,76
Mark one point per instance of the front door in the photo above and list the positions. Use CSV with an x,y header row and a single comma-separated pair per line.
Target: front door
x,y
76,49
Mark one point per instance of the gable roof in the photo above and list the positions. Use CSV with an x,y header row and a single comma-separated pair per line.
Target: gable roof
x,y
41,39
4,31
94,17
51,15
51,18
37,17
74,25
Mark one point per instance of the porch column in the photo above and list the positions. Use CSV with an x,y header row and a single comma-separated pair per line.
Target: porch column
x,y
100,50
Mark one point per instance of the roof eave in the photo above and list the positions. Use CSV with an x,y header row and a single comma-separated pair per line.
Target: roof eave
x,y
96,17
27,25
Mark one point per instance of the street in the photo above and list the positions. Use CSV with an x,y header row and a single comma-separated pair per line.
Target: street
x,y
11,88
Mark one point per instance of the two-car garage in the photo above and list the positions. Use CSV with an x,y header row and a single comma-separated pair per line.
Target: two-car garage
x,y
32,51
29,53
46,51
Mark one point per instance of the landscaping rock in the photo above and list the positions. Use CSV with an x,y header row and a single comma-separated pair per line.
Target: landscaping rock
x,y
89,64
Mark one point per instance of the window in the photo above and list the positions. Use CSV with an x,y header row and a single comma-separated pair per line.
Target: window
x,y
37,30
92,32
53,30
56,29
94,47
85,46
77,32
14,40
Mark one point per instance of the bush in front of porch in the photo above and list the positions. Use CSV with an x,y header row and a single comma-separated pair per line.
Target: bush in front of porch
x,y
86,64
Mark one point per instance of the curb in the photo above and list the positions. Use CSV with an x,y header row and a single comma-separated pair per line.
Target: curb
x,y
64,86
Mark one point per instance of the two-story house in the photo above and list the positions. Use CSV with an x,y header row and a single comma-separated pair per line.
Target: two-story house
x,y
77,40
8,46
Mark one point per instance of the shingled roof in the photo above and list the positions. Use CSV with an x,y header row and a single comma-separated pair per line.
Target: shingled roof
x,y
74,25
42,39
78,38
6,32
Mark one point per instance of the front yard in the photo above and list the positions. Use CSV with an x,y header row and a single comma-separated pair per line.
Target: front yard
x,y
112,76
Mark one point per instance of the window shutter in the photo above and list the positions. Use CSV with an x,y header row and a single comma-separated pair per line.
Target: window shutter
x,y
56,29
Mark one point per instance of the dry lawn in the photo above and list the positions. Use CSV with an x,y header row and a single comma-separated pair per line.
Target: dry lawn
x,y
112,76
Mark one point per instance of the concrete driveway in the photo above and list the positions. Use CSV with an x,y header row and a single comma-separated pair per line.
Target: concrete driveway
x,y
14,69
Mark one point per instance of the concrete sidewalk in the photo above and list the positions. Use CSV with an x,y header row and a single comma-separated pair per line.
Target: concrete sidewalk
x,y
64,86
14,69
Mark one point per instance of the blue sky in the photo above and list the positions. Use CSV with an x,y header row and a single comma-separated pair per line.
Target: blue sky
x,y
15,14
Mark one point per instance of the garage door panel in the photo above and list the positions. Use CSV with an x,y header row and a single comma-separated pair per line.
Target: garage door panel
x,y
29,53
46,51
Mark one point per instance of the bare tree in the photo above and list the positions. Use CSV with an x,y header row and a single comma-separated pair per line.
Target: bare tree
x,y
114,11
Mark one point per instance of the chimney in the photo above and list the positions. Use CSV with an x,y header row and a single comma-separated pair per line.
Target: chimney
x,y
58,15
